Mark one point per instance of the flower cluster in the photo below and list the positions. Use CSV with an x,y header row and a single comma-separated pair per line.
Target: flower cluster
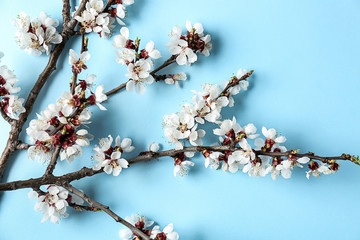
x,y
259,163
93,19
96,18
10,103
185,47
109,157
206,105
37,36
58,124
53,202
139,63
144,225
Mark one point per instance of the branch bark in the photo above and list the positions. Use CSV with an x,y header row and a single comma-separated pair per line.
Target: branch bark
x,y
106,209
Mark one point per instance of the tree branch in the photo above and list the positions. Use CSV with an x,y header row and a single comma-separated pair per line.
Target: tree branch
x,y
115,90
146,156
106,209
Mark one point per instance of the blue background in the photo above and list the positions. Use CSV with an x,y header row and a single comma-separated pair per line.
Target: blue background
x,y
306,60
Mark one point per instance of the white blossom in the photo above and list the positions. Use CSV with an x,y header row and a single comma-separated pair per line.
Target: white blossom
x,y
37,36
316,169
15,106
53,203
185,55
120,41
100,97
139,74
182,126
152,51
213,160
124,55
154,147
93,19
121,10
183,168
140,221
174,78
78,62
257,167
185,47
168,231
109,158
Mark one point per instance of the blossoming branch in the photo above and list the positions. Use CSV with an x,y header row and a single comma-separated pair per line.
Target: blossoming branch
x,y
60,131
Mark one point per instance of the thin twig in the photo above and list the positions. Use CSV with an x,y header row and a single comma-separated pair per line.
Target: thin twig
x,y
115,90
165,64
53,160
78,207
105,209
234,83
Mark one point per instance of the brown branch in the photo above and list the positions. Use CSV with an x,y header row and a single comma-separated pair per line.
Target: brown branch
x,y
115,90
78,207
53,160
146,156
66,12
309,155
105,209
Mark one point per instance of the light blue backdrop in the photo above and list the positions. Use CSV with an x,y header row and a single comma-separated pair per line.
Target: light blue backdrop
x,y
306,60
